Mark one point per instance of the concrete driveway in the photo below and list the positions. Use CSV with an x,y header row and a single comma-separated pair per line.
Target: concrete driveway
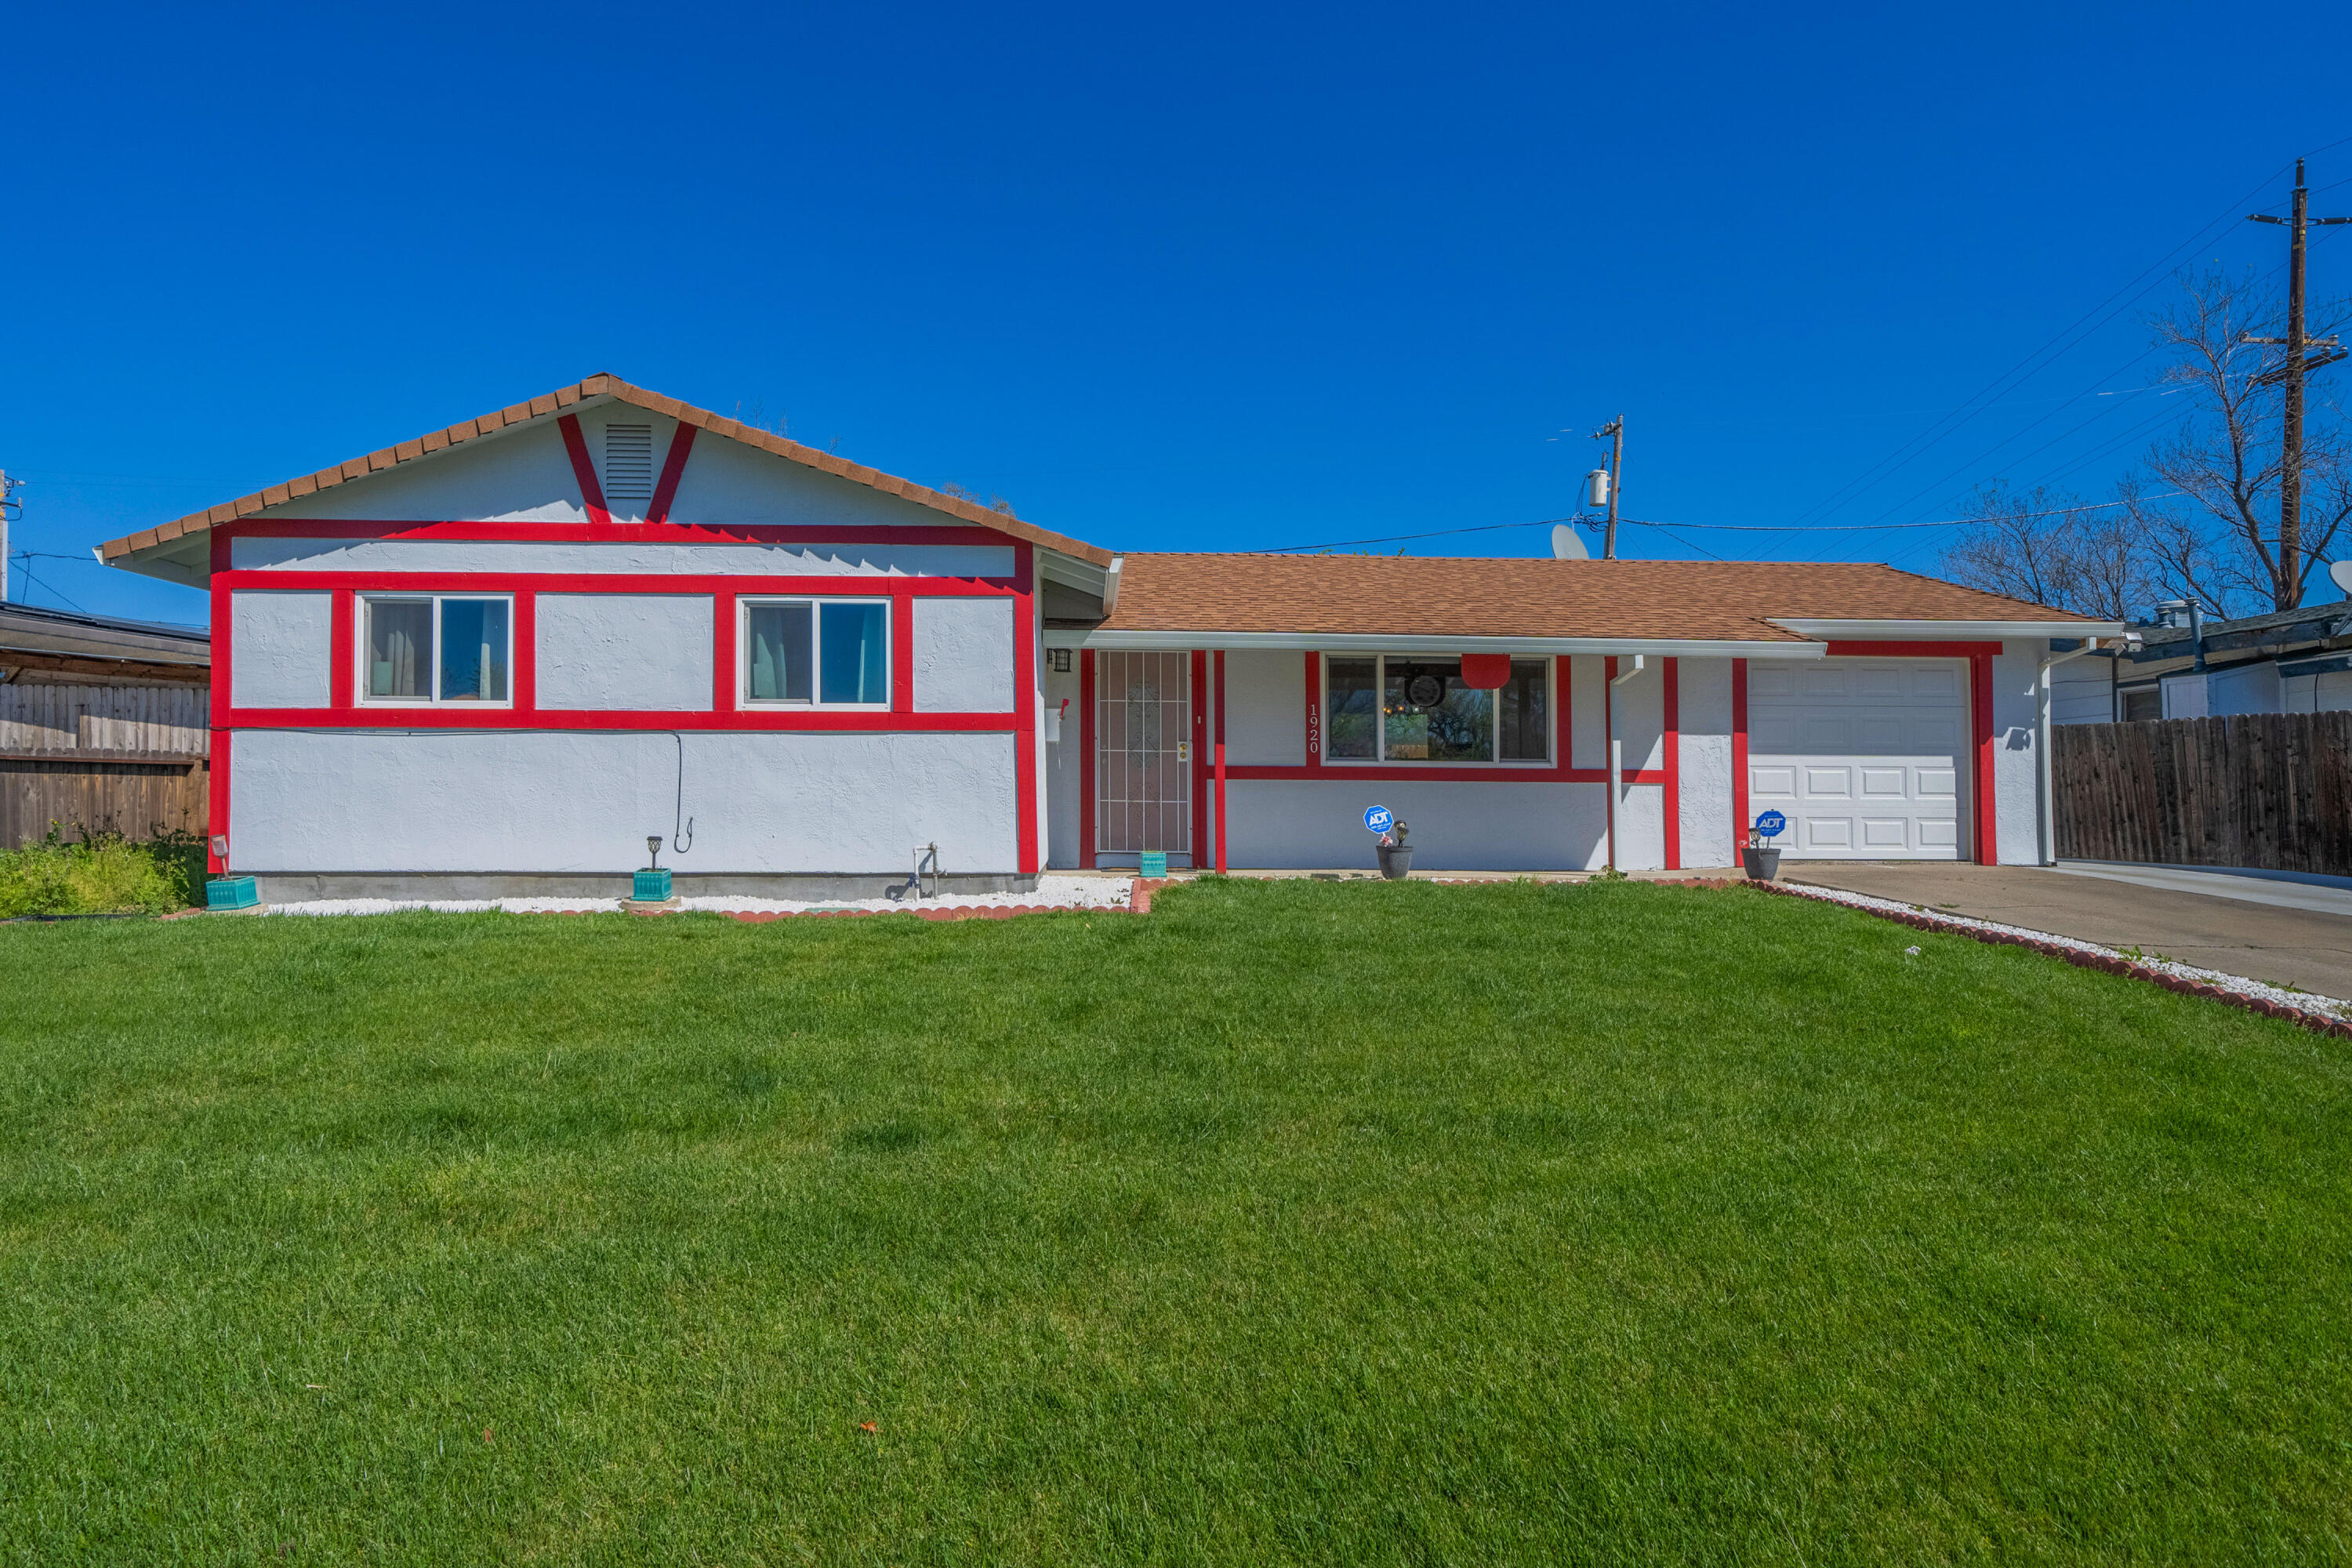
x,y
2298,946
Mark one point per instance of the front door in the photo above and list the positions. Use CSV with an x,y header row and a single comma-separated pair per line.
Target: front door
x,y
1143,777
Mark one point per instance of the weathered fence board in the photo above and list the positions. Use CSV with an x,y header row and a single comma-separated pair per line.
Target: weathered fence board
x,y
83,796
2267,791
116,718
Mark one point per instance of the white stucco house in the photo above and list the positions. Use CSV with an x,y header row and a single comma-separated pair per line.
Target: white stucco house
x,y
497,658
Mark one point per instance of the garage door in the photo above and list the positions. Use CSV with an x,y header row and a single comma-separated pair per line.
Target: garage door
x,y
1863,756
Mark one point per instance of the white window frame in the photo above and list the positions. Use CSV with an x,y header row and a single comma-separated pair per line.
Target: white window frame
x,y
746,603
362,645
1381,758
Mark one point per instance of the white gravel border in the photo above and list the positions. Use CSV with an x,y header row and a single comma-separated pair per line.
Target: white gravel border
x,y
2301,1001
1053,892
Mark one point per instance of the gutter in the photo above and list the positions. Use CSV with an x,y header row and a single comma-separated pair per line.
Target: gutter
x,y
1617,755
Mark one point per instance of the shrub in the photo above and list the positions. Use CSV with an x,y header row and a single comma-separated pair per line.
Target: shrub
x,y
104,873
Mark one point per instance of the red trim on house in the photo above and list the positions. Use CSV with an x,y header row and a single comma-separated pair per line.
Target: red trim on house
x,y
592,494
1220,761
477,531
681,442
1738,753
724,650
1314,712
1199,706
463,716
1086,762
224,658
1026,735
1608,733
1564,743
902,655
1440,772
1910,650
1987,844
522,667
837,587
342,647
1671,748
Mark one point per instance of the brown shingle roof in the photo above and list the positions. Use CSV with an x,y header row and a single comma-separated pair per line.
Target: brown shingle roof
x,y
565,397
1454,597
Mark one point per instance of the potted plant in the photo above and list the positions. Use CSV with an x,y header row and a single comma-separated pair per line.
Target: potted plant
x,y
1396,855
1761,857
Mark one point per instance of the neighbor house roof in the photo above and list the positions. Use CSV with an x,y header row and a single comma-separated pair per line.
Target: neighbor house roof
x,y
65,639
1407,596
563,399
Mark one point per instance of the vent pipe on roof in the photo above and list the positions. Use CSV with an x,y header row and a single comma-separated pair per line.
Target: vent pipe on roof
x,y
1110,584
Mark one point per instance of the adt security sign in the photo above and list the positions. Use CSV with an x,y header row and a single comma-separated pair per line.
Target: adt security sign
x,y
1378,820
1771,824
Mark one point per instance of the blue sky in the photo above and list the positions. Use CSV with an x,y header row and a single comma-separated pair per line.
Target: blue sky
x,y
1194,279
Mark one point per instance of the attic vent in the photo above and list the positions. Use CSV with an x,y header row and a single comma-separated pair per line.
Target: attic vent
x,y
628,462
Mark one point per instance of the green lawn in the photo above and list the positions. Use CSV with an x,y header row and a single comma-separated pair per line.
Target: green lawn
x,y
1294,1221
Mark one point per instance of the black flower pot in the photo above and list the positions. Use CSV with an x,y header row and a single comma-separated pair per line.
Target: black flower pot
x,y
1396,859
1763,865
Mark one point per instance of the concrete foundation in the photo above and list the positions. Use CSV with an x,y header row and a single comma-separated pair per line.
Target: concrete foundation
x,y
287,887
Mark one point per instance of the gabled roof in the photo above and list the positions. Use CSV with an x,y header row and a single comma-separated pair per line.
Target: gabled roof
x,y
566,397
1423,596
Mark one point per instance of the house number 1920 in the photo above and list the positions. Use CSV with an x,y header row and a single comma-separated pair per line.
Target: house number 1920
x,y
1314,729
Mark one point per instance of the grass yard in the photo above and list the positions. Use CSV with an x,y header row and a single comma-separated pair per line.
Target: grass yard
x,y
1294,1222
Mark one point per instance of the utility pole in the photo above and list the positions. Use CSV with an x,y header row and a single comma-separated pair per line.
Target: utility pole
x,y
8,511
2290,555
1614,432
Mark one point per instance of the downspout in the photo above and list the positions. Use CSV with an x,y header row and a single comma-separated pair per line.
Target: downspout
x,y
1617,756
2049,812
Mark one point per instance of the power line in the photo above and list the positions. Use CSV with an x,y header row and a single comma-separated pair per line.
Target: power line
x,y
1666,528
2024,369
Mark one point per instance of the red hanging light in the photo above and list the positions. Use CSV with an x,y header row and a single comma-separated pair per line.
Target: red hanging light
x,y
1485,671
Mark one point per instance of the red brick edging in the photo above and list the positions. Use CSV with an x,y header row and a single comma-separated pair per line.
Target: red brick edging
x,y
2319,1022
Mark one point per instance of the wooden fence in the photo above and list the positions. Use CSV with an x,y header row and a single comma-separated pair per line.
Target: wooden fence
x,y
115,717
89,795
2265,791
94,757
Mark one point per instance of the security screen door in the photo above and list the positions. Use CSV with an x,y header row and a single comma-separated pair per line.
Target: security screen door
x,y
1143,790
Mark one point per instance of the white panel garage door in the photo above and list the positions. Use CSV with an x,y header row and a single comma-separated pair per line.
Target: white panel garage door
x,y
1863,756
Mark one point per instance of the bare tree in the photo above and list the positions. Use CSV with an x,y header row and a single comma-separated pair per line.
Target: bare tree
x,y
2210,520
2053,549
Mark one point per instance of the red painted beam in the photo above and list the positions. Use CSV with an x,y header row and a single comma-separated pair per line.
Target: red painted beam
x,y
592,494
1988,846
1738,753
1026,735
1672,746
1220,761
1910,650
1313,711
673,470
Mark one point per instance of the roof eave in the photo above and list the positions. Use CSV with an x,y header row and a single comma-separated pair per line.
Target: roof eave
x,y
1943,631
1406,643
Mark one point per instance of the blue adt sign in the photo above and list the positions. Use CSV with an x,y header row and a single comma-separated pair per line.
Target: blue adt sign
x,y
1771,824
1378,820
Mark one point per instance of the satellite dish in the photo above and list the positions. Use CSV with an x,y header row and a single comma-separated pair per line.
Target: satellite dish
x,y
2341,572
1565,545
